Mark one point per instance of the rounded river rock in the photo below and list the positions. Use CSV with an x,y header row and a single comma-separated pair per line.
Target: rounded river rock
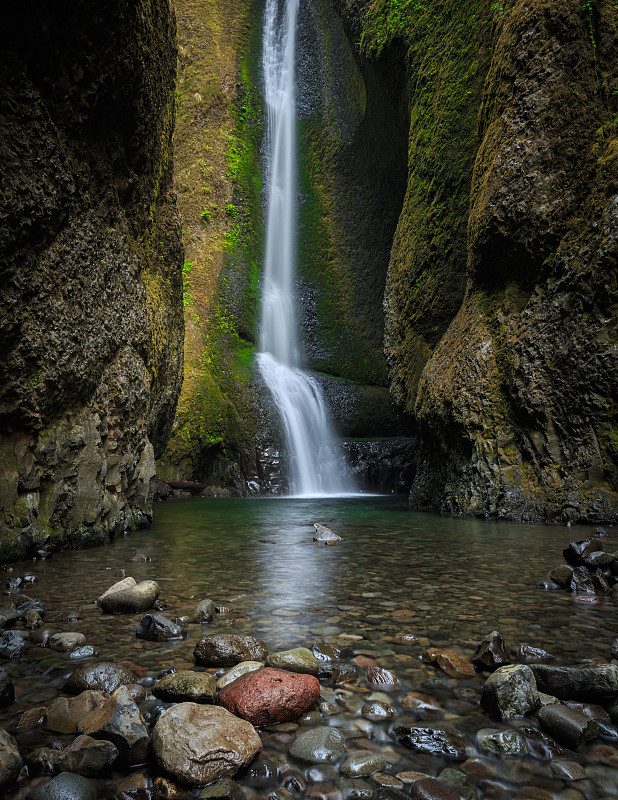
x,y
269,696
227,649
198,744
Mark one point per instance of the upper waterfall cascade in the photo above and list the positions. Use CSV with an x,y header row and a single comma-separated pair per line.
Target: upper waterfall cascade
x,y
316,466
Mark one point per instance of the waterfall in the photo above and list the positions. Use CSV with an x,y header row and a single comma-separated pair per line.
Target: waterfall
x,y
315,465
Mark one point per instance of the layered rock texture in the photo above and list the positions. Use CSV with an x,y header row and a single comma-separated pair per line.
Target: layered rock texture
x,y
501,290
91,322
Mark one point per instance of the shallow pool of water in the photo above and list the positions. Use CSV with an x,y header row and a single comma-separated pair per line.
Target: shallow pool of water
x,y
449,580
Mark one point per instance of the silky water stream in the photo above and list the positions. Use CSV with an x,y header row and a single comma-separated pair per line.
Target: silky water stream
x,y
447,581
316,466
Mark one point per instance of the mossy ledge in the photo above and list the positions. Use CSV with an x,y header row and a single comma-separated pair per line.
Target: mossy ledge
x,y
90,305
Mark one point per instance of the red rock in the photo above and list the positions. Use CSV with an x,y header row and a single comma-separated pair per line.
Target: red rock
x,y
270,695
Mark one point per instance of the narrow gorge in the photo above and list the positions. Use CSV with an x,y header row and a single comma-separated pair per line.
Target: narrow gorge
x,y
457,250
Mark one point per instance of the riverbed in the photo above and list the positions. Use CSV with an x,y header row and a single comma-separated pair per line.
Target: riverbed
x,y
450,582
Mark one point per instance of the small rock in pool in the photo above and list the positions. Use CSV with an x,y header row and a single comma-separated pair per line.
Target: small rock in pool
x,y
203,612
227,649
157,628
318,745
87,651
362,764
377,676
7,690
237,671
141,557
502,742
491,653
65,786
532,655
186,686
432,789
103,676
65,642
450,662
377,711
435,741
548,586
324,534
223,789
299,659
137,598
12,645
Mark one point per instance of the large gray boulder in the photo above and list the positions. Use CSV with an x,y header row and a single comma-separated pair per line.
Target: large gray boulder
x,y
198,744
510,692
591,682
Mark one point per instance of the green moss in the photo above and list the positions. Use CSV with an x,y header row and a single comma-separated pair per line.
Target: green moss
x,y
446,52
219,173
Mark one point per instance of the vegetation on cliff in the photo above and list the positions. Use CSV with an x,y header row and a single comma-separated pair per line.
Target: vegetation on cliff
x,y
512,198
218,179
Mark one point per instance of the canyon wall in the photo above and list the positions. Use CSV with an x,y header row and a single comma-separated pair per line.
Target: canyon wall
x,y
501,295
91,327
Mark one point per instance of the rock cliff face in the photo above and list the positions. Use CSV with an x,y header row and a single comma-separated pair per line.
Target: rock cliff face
x,y
90,302
501,295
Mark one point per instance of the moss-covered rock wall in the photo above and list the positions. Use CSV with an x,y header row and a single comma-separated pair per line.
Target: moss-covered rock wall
x,y
90,299
352,140
220,432
501,309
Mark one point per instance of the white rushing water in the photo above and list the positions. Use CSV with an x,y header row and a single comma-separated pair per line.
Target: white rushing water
x,y
316,468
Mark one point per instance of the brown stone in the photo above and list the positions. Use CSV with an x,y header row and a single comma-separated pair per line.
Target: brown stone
x,y
65,714
227,649
432,789
450,662
198,743
118,720
377,676
270,695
